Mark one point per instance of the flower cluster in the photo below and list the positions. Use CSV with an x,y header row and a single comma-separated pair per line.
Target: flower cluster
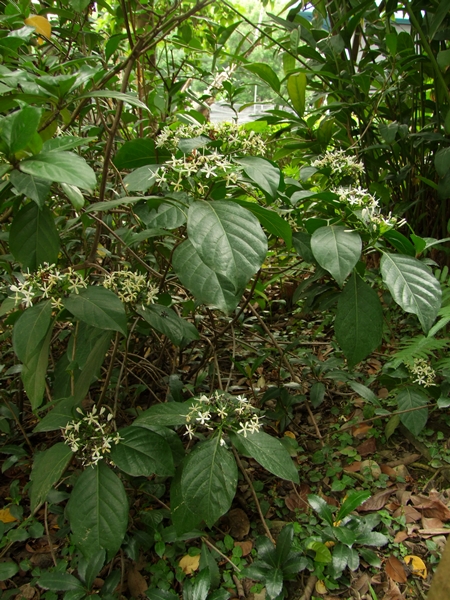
x,y
222,411
131,287
424,373
92,436
367,209
47,282
340,163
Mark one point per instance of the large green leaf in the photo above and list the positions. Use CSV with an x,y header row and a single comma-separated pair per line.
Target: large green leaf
x,y
207,286
166,321
33,237
266,73
8,569
60,582
263,173
30,329
167,215
62,167
269,219
269,452
33,187
141,179
412,286
412,399
209,480
128,98
359,320
58,417
142,453
296,86
18,128
228,238
48,466
98,511
91,368
98,307
337,250
167,414
183,518
138,153
34,372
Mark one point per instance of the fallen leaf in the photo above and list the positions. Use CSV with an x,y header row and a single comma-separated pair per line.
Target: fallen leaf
x,y
238,523
383,393
393,592
361,585
289,434
412,515
406,460
360,431
389,471
136,582
6,516
26,592
298,500
369,446
432,532
320,587
432,523
370,468
376,502
354,467
189,564
400,537
417,565
434,508
395,570
246,546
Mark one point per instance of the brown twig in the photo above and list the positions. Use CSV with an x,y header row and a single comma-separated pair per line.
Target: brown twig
x,y
309,588
212,547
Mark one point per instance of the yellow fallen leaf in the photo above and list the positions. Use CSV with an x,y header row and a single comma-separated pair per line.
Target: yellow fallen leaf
x,y
289,434
189,564
321,587
41,25
417,565
6,516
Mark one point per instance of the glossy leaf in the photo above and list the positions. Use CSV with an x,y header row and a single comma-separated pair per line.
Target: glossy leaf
x,y
179,331
32,187
141,452
48,466
336,250
266,73
228,239
209,480
270,220
167,414
33,237
98,511
263,173
208,287
59,582
98,307
352,502
302,244
413,398
166,216
359,320
115,95
62,167
321,507
412,286
141,179
296,86
270,453
183,518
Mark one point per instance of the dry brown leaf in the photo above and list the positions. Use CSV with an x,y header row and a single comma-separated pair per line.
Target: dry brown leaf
x,y
432,523
395,570
361,584
297,500
6,516
369,446
370,468
412,515
432,532
393,592
246,546
383,393
400,537
406,460
26,592
417,565
354,467
376,502
389,471
434,508
136,582
238,523
189,564
360,431
289,434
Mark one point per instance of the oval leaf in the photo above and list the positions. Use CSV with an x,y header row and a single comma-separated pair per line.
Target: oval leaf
x,y
296,86
47,469
412,286
142,453
98,307
62,167
336,250
413,398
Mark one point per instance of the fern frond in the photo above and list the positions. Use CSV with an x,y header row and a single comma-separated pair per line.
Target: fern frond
x,y
418,347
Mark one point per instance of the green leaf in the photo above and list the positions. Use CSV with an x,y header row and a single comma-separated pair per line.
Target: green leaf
x,y
98,307
141,179
370,557
412,286
33,237
122,97
102,206
400,242
443,59
48,466
20,128
138,153
91,368
317,394
34,372
59,582
270,453
32,187
340,557
352,501
302,245
74,195
372,538
207,286
442,162
167,215
166,321
188,144
31,329
336,250
209,480
8,570
344,535
296,86
263,173
321,507
266,73
364,392
167,414
323,555
62,167
269,219
412,398
98,511
228,238
142,453
359,320
183,519
88,569
58,417
157,594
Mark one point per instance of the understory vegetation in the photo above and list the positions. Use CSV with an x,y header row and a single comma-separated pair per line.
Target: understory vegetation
x,y
224,347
